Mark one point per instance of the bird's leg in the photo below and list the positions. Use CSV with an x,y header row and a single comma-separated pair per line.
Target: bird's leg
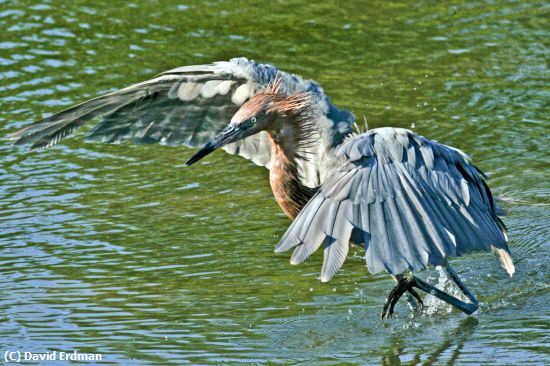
x,y
473,304
467,307
403,285
406,284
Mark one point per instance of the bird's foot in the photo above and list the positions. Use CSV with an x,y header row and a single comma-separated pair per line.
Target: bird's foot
x,y
404,284
414,300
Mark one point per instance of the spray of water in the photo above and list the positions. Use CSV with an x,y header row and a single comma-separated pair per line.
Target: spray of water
x,y
432,305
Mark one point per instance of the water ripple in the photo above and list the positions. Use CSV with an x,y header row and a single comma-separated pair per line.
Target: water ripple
x,y
117,249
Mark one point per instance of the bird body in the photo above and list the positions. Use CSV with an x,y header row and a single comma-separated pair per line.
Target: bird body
x,y
409,201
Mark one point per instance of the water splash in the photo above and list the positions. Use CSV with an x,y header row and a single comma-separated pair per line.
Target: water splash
x,y
434,306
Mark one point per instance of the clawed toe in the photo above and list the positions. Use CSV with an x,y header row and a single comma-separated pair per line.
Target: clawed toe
x,y
416,296
403,285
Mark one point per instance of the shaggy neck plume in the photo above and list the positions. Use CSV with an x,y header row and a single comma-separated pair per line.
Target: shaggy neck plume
x,y
290,138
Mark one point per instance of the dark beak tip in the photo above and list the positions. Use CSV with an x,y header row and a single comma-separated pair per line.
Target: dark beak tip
x,y
190,162
221,139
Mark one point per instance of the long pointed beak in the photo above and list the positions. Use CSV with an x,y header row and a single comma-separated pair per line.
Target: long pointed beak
x,y
229,134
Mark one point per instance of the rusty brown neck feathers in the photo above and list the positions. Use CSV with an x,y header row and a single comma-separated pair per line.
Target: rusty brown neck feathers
x,y
291,133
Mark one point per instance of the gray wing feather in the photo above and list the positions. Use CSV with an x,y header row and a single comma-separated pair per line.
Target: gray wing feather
x,y
185,106
410,201
337,240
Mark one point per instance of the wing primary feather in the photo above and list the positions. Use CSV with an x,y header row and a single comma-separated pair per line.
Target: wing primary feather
x,y
336,241
401,231
416,200
313,235
297,230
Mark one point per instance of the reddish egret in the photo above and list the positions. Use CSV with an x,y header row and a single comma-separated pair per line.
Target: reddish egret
x,y
409,201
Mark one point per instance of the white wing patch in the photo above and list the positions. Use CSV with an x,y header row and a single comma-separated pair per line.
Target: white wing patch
x,y
242,93
214,87
189,91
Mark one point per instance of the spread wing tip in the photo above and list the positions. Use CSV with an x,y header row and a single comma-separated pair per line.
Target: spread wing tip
x,y
325,278
506,260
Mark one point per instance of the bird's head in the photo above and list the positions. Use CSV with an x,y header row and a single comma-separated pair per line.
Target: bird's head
x,y
259,113
251,118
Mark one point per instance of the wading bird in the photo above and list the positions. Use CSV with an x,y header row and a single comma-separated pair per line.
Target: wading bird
x,y
409,201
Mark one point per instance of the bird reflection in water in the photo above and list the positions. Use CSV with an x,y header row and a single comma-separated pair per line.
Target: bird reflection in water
x,y
451,346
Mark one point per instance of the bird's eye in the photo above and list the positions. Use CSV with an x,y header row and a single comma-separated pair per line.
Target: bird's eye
x,y
253,120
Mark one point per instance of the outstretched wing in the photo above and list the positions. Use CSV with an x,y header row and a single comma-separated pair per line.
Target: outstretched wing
x,y
185,106
409,200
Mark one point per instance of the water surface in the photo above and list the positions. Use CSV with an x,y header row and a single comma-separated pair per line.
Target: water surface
x,y
117,249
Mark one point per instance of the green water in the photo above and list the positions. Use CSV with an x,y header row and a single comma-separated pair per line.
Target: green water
x,y
119,250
